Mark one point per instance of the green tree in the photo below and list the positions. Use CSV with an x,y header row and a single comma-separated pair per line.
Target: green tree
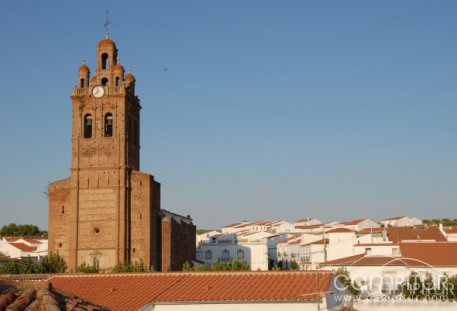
x,y
21,230
412,287
343,275
86,268
293,265
235,265
24,266
187,267
137,266
53,263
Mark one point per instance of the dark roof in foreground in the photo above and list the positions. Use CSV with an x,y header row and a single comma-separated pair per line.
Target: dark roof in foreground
x,y
43,299
125,292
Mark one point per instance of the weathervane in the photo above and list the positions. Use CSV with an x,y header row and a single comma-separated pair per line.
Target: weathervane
x,y
107,23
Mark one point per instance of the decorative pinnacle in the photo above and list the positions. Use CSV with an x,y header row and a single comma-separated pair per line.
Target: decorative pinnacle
x,y
130,71
84,60
107,23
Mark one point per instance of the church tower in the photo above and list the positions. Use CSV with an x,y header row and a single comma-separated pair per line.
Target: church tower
x,y
108,212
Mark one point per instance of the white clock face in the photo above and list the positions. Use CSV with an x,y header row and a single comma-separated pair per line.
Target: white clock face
x,y
98,91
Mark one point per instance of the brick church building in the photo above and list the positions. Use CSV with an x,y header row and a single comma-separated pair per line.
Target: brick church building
x,y
108,211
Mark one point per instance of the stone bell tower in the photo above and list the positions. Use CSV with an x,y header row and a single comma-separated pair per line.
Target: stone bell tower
x,y
107,212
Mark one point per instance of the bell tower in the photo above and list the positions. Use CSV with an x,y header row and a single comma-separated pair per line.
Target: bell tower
x,y
107,212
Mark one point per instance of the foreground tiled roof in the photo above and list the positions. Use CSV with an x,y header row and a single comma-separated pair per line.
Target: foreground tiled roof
x,y
131,291
399,234
33,299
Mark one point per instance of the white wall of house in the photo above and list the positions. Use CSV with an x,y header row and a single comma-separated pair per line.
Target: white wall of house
x,y
255,253
377,277
242,306
401,222
366,223
309,238
233,229
341,244
272,243
205,236
11,251
366,305
283,227
308,222
451,237
387,249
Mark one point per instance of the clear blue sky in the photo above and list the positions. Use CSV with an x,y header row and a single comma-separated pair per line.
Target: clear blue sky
x,y
268,109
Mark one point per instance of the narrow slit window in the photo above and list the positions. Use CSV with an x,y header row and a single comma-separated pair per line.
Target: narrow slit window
x,y
87,126
108,125
137,133
104,61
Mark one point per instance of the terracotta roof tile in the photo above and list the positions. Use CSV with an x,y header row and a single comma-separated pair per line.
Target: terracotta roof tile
x,y
12,238
353,222
451,230
24,247
371,230
398,234
365,260
309,227
395,218
340,230
376,244
319,242
131,291
117,291
32,241
231,225
287,240
433,253
416,254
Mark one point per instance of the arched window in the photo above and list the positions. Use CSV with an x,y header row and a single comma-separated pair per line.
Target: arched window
x,y
225,255
108,125
118,81
104,61
87,126
81,83
208,254
240,254
104,81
